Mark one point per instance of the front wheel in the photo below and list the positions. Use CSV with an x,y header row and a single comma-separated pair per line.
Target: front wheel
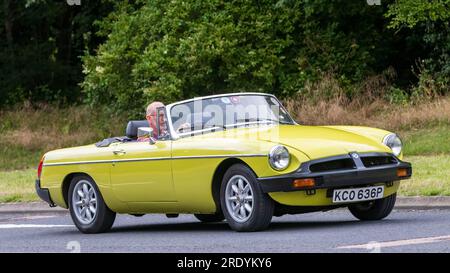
x,y
87,207
374,210
245,206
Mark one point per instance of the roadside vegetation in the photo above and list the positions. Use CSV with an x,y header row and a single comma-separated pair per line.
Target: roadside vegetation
x,y
431,176
28,132
18,186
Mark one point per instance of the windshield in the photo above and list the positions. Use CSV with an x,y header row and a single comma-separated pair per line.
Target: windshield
x,y
227,111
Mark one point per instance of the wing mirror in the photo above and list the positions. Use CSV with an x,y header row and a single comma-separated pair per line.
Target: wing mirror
x,y
146,132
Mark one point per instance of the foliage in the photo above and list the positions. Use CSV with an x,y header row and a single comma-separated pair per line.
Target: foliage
x,y
170,50
430,20
40,45
129,52
410,13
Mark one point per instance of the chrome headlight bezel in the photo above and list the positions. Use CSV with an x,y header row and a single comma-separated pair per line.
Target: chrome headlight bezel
x,y
279,157
394,142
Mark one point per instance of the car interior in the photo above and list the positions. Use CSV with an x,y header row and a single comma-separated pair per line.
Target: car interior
x,y
131,134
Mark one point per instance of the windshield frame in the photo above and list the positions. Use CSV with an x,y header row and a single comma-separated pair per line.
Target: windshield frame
x,y
176,135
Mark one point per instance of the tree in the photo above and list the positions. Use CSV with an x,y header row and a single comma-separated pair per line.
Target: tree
x,y
430,20
40,46
160,50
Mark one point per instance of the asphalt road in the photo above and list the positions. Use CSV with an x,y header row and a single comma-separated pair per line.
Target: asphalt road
x,y
334,231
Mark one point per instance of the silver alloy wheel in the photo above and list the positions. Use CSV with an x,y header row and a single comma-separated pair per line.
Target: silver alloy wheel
x,y
239,198
84,201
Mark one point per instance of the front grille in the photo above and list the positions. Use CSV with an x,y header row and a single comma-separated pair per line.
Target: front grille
x,y
373,161
332,165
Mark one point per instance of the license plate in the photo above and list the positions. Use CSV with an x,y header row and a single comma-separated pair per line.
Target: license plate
x,y
358,194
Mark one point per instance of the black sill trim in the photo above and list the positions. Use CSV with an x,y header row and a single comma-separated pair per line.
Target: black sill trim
x,y
358,176
44,194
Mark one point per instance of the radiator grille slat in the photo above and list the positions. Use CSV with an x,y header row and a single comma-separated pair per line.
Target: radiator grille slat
x,y
333,165
348,163
373,161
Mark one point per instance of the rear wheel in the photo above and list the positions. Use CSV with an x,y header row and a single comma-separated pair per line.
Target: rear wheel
x,y
210,218
374,210
245,206
87,207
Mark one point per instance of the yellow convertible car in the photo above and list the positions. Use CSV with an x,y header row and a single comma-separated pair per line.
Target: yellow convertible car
x,y
239,157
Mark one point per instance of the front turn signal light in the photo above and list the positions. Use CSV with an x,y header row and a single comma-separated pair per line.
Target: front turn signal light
x,y
402,172
304,183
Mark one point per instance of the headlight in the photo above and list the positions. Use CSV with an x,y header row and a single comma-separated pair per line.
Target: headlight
x,y
279,158
393,142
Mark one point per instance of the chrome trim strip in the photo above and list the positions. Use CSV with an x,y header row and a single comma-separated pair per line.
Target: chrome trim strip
x,y
151,159
76,162
218,156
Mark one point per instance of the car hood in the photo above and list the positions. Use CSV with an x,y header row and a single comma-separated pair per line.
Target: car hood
x,y
318,142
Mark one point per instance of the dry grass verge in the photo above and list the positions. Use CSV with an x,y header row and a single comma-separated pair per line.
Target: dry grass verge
x,y
375,114
28,132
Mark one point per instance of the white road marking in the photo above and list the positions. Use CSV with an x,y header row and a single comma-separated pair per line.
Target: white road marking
x,y
425,240
39,217
10,226
33,217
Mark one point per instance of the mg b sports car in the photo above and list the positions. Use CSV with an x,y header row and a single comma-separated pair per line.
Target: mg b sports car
x,y
238,157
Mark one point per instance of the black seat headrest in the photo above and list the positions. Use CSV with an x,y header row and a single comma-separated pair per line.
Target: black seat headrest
x,y
133,125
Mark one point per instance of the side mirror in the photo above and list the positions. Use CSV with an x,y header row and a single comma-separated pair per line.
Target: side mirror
x,y
146,132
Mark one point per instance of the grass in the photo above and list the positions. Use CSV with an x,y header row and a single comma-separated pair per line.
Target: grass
x,y
27,132
427,141
431,176
17,157
17,186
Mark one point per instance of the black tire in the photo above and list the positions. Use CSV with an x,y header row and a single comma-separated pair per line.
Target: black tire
x,y
210,218
104,217
374,210
262,205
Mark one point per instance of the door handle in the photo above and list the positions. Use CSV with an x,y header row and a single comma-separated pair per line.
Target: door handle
x,y
119,152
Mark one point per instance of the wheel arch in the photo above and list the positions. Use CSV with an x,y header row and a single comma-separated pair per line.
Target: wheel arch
x,y
66,184
218,176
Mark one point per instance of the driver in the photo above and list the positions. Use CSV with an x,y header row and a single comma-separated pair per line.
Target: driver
x,y
151,116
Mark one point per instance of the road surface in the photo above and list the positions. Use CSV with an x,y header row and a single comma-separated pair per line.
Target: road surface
x,y
333,231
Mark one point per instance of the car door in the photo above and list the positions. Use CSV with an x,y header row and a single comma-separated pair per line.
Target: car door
x,y
142,172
